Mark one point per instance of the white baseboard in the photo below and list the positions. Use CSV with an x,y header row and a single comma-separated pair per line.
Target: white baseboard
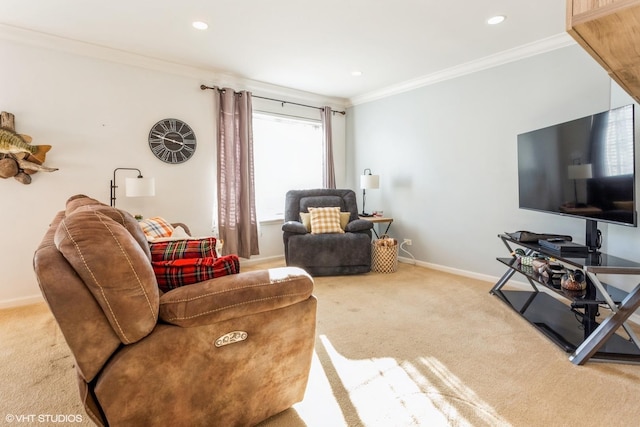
x,y
456,271
252,261
17,302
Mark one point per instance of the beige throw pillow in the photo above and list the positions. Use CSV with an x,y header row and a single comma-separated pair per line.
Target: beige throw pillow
x,y
325,220
305,219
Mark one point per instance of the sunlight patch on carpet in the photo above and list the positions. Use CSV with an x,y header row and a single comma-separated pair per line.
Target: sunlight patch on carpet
x,y
385,391
454,392
382,392
319,404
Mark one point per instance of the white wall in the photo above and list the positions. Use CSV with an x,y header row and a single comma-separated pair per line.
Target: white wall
x,y
447,160
96,113
445,153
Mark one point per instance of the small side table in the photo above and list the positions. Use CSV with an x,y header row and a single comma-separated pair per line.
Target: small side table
x,y
378,220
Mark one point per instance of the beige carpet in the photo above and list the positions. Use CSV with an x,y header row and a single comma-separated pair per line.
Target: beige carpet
x,y
415,347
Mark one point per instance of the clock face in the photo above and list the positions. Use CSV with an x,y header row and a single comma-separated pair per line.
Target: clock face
x,y
172,141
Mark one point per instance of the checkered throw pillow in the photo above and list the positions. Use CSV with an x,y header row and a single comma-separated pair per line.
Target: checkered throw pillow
x,y
305,218
155,227
325,220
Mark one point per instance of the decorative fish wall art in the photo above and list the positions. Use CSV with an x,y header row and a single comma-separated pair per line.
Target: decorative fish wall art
x,y
18,158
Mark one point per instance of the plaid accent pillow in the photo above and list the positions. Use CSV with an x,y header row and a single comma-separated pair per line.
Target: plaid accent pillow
x,y
155,227
187,271
186,248
305,219
325,220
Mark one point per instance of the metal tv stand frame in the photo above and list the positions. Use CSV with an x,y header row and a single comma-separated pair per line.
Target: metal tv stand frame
x,y
568,318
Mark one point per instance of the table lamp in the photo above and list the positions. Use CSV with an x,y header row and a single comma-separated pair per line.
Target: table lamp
x,y
368,182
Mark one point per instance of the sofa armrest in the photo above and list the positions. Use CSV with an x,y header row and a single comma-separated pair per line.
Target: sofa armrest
x,y
183,225
358,225
235,296
295,227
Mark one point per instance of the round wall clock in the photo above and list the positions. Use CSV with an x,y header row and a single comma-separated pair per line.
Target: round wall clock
x,y
172,141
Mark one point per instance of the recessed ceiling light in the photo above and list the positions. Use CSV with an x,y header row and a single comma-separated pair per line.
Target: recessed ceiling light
x,y
494,20
356,73
199,25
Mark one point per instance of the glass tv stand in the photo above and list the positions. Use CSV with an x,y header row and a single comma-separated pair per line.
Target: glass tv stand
x,y
571,319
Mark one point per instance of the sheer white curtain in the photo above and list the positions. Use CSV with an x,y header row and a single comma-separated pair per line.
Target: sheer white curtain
x,y
328,171
237,221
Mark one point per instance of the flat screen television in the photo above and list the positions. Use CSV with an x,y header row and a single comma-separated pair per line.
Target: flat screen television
x,y
583,168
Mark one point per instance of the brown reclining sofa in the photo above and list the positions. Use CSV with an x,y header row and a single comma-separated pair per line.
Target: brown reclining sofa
x,y
230,351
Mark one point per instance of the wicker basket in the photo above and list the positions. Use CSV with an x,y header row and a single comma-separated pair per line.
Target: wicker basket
x,y
384,255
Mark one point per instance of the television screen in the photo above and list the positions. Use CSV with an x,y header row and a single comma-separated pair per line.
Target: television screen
x,y
583,168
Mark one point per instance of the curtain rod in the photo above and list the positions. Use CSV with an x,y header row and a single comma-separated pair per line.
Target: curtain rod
x,y
204,87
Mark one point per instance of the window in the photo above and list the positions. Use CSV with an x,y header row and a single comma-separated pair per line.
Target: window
x,y
618,144
287,156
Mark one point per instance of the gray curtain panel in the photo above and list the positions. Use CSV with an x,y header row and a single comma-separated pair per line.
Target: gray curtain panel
x,y
328,171
237,222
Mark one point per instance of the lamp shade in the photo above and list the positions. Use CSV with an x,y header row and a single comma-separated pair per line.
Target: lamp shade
x,y
368,182
580,171
140,187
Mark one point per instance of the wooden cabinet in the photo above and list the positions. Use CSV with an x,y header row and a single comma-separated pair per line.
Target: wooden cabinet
x,y
610,31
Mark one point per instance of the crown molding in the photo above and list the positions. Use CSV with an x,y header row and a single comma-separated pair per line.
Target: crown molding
x,y
206,76
521,52
221,78
61,44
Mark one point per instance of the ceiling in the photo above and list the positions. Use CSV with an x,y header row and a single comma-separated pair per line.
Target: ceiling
x,y
300,44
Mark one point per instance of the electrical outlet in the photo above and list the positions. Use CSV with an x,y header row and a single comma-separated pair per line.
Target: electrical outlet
x,y
407,242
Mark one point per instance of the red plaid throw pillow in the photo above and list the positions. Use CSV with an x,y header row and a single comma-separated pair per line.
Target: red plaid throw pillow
x,y
186,271
188,248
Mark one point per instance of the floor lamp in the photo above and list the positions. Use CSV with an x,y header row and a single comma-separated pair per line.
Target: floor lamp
x,y
368,182
134,187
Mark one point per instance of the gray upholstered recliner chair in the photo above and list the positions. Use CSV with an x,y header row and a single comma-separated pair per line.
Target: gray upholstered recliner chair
x,y
326,254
